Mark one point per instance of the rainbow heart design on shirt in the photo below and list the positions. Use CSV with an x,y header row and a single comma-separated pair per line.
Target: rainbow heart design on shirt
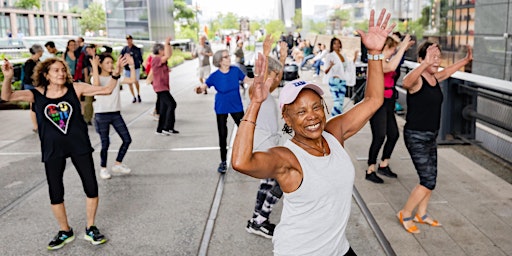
x,y
59,115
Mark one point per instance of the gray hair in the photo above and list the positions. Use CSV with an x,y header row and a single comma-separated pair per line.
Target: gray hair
x,y
35,49
157,47
274,65
217,57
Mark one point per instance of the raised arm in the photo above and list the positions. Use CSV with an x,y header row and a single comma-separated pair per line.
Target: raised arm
x,y
244,160
412,81
7,93
345,125
131,64
392,64
448,71
95,62
88,90
167,50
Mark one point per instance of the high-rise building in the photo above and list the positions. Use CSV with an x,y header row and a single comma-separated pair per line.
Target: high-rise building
x,y
143,19
51,19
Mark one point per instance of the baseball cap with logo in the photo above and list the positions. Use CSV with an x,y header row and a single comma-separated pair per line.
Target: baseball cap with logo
x,y
292,89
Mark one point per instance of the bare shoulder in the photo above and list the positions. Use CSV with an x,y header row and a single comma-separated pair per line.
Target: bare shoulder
x,y
289,171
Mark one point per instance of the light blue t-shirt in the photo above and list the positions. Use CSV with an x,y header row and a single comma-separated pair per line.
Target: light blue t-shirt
x,y
227,85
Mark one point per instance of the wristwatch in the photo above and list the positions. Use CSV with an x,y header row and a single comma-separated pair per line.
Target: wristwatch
x,y
375,57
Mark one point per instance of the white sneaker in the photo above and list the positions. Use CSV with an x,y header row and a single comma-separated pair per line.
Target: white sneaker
x,y
121,169
104,174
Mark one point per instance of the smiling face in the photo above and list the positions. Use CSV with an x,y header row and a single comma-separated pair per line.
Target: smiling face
x,y
57,73
306,115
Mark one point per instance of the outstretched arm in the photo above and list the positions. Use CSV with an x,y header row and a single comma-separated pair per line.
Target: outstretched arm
x,y
448,71
7,93
345,125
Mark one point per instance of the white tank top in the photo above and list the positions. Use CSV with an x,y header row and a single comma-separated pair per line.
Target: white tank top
x,y
315,216
107,103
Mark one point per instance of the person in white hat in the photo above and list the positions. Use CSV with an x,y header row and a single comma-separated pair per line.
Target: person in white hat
x,y
313,169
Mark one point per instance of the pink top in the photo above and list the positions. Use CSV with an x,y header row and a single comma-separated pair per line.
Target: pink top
x,y
389,83
160,74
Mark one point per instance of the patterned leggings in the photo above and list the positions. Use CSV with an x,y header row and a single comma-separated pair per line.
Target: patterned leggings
x,y
268,195
338,89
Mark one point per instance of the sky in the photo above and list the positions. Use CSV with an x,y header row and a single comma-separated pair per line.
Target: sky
x,y
254,9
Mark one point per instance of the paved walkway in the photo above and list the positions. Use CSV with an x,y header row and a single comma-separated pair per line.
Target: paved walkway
x,y
167,206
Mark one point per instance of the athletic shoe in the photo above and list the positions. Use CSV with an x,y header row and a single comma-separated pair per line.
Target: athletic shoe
x,y
386,171
162,133
222,167
93,235
169,132
138,98
121,169
374,178
104,174
265,229
134,100
61,239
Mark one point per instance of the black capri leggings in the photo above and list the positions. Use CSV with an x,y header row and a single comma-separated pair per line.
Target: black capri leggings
x,y
222,128
55,172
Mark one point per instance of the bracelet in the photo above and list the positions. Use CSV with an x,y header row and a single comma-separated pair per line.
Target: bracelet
x,y
131,66
249,121
116,77
375,57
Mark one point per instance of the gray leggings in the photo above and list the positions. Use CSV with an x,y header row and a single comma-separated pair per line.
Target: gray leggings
x,y
422,147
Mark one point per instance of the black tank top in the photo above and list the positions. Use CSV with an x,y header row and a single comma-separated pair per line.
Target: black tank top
x,y
62,129
424,108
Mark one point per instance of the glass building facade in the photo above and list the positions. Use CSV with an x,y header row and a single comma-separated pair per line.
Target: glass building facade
x,y
127,17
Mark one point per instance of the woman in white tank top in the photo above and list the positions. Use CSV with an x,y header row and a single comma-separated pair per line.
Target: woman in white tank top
x,y
313,170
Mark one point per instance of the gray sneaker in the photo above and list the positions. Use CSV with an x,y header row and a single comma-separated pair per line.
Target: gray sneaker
x,y
121,169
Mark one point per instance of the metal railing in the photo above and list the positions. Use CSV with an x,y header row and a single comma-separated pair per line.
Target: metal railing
x,y
476,109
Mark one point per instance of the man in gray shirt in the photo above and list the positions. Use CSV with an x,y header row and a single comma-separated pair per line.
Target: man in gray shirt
x,y
203,53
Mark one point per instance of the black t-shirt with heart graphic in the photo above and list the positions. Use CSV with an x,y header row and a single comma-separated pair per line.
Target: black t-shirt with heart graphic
x,y
62,129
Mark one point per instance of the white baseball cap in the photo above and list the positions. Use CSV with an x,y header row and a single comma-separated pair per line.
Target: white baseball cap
x,y
291,89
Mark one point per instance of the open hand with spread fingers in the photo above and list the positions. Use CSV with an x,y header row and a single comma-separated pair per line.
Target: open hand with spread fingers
x,y
377,33
261,87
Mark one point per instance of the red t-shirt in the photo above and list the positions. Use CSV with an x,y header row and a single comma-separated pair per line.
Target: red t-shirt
x,y
148,65
160,74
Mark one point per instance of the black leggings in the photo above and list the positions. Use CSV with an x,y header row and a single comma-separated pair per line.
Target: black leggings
x,y
55,172
222,128
383,124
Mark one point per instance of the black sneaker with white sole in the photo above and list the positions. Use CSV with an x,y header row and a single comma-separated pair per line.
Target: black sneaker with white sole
x,y
93,235
265,229
386,171
62,238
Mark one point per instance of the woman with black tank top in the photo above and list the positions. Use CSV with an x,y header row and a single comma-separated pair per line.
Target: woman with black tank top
x,y
63,133
424,99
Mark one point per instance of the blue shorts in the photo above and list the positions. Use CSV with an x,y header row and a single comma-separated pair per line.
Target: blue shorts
x,y
137,74
422,147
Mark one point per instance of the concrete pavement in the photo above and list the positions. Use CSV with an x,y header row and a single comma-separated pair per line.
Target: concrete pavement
x,y
166,205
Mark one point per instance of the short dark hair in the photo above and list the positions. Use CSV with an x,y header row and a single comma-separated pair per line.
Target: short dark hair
x,y
50,44
422,49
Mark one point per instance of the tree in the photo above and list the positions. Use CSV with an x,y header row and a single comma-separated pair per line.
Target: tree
x,y
93,18
230,21
297,19
275,28
28,4
183,13
317,27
